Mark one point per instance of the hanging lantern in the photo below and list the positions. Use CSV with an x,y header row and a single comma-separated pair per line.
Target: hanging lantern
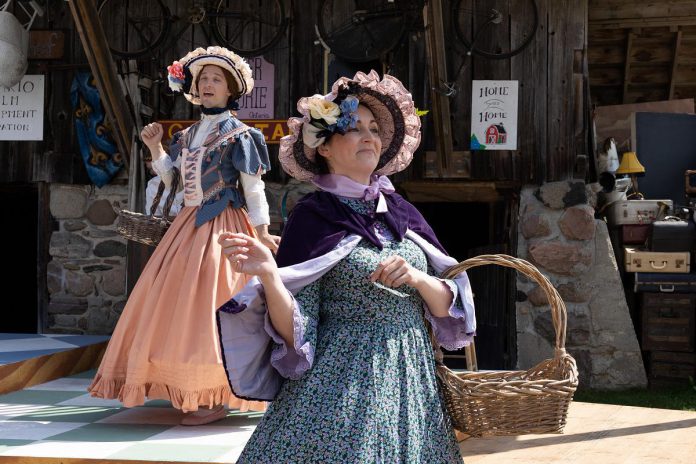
x,y
14,45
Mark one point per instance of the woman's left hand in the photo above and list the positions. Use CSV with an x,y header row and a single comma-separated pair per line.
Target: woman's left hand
x,y
271,241
247,254
396,271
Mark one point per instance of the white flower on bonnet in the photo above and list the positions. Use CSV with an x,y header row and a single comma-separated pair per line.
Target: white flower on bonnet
x,y
310,136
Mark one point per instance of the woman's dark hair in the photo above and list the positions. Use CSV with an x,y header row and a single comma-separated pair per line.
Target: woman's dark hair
x,y
321,163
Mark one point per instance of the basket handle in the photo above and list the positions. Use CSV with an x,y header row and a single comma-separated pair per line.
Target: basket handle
x,y
170,198
558,310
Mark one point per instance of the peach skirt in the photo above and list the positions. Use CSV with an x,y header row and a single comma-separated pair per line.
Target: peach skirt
x,y
165,345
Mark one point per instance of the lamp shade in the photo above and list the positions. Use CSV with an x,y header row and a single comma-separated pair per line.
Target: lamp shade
x,y
630,164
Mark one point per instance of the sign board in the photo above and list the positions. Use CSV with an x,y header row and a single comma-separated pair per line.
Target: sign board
x,y
22,109
46,45
259,103
272,129
494,115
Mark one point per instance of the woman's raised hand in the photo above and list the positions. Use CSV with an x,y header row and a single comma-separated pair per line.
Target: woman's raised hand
x,y
152,134
247,254
396,271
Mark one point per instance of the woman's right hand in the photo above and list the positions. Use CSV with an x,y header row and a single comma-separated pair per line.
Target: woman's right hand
x,y
248,255
152,134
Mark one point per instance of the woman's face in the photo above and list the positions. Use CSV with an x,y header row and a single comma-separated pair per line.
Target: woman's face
x,y
212,87
356,153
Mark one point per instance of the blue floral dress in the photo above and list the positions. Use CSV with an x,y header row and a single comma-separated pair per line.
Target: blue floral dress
x,y
370,395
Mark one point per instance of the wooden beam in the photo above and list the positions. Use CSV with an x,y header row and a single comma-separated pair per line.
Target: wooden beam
x,y
632,23
437,68
672,80
627,66
456,192
103,68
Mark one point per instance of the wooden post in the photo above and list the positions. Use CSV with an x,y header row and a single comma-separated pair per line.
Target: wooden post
x,y
437,69
104,69
675,63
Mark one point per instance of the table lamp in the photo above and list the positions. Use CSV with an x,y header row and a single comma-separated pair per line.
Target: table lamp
x,y
631,166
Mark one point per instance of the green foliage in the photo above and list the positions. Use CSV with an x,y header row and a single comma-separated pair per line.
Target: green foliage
x,y
682,398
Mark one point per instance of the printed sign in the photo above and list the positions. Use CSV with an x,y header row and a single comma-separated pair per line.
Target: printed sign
x,y
259,103
21,109
273,129
494,115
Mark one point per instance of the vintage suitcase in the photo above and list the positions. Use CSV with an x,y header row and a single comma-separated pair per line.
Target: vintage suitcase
x,y
639,260
673,236
664,282
635,234
668,321
671,367
637,211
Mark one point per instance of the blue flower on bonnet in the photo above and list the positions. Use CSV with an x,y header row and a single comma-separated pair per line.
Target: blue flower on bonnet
x,y
349,113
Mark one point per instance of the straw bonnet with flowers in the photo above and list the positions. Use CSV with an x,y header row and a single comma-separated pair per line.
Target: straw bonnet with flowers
x,y
182,74
163,344
324,115
360,263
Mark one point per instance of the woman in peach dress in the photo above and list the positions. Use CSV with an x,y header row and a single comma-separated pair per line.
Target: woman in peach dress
x,y
165,345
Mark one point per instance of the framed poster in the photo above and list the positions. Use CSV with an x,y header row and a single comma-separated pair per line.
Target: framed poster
x,y
259,104
494,115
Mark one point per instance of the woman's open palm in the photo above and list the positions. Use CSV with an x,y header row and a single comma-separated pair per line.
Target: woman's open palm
x,y
247,254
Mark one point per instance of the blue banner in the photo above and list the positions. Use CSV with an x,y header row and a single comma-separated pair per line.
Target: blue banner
x,y
97,147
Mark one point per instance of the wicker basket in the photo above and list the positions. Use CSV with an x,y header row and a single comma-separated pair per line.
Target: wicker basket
x,y
513,402
148,228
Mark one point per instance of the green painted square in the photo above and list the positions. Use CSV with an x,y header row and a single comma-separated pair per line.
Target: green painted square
x,y
111,432
171,452
14,442
85,375
58,413
39,396
236,419
8,443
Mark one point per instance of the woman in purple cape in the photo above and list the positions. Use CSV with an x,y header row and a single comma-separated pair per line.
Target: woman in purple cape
x,y
334,332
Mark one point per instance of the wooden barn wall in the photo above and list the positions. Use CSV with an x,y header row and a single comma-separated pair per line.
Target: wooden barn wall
x,y
547,70
641,51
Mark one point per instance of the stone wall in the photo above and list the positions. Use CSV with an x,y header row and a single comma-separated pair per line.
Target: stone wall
x,y
559,234
86,273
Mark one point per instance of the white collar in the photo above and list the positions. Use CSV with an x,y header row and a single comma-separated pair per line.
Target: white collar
x,y
213,118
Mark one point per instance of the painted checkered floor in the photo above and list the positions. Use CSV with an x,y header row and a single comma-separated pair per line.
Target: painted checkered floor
x,y
20,347
59,419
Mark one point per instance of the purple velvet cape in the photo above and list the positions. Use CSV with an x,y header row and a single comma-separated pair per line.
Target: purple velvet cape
x,y
320,220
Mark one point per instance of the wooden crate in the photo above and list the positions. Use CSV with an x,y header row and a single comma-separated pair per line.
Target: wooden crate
x,y
671,367
668,321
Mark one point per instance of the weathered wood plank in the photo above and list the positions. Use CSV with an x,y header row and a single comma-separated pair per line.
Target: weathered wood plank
x,y
627,63
606,75
533,105
566,34
621,9
666,22
651,75
597,37
437,72
492,164
458,192
639,95
607,54
675,59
